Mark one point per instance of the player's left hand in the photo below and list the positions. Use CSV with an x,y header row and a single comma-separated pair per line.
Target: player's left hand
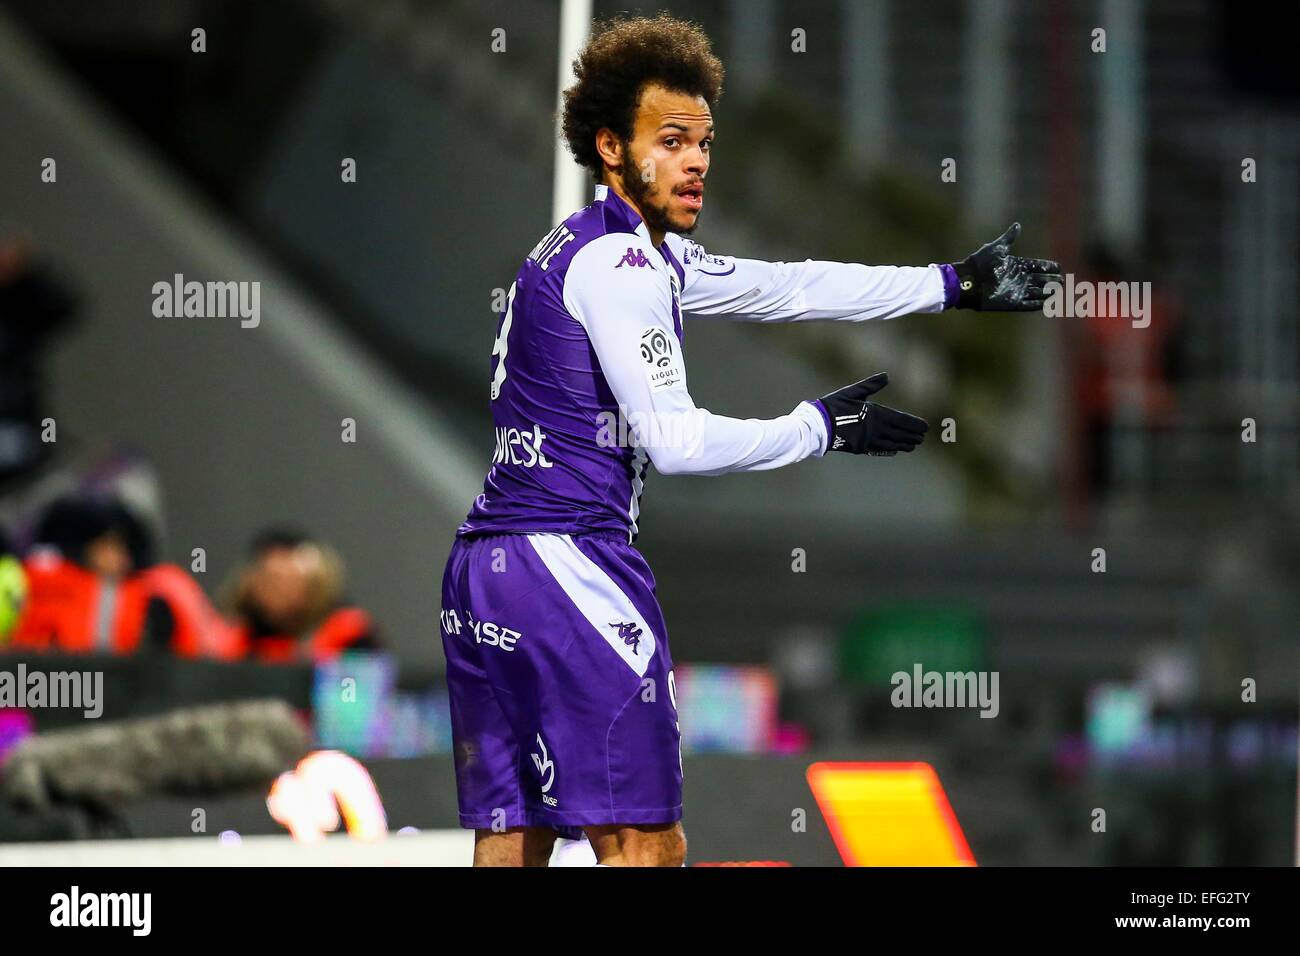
x,y
992,280
860,427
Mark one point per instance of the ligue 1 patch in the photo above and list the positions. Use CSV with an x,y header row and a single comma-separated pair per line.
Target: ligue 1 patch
x,y
663,365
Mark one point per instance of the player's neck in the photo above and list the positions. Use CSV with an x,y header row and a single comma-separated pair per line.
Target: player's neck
x,y
656,235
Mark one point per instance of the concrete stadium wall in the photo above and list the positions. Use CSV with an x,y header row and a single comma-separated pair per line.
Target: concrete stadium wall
x,y
243,424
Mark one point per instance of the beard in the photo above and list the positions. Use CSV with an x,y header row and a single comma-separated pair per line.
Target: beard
x,y
655,216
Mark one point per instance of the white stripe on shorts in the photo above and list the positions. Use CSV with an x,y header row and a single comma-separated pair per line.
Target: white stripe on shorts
x,y
595,594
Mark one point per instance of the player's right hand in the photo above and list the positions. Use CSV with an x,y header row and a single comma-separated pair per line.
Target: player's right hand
x,y
990,279
861,427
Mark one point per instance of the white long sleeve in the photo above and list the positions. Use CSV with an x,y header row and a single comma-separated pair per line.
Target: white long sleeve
x,y
756,291
626,305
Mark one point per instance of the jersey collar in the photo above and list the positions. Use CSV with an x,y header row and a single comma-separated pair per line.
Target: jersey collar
x,y
619,216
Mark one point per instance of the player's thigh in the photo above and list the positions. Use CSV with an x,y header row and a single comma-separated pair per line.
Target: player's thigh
x,y
516,846
524,711
607,717
641,845
485,751
486,748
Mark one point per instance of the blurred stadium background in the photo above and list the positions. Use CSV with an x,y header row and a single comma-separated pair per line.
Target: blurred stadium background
x,y
182,440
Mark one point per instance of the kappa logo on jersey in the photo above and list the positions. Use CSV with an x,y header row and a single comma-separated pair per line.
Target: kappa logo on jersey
x,y
546,769
658,353
635,258
629,632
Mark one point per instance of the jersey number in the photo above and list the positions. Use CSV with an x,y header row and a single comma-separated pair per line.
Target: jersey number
x,y
501,345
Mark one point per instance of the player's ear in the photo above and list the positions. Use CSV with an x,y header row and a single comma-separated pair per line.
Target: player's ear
x,y
610,147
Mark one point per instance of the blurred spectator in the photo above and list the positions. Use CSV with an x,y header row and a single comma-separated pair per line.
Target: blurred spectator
x,y
13,587
94,586
288,602
107,472
34,306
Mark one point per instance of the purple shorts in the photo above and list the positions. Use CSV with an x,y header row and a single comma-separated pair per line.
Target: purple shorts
x,y
563,708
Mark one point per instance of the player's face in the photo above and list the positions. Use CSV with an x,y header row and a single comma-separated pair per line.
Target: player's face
x,y
665,163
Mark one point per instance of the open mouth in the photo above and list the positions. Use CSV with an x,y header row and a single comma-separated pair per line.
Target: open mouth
x,y
692,196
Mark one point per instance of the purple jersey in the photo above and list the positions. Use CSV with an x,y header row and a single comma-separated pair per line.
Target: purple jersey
x,y
589,380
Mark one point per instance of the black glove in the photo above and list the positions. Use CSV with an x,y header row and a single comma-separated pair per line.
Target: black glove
x,y
991,280
861,427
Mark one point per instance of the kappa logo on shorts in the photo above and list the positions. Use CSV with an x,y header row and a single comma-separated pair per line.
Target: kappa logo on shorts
x,y
546,768
629,632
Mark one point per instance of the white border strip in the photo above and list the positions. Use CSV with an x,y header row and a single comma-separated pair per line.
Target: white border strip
x,y
597,598
427,848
